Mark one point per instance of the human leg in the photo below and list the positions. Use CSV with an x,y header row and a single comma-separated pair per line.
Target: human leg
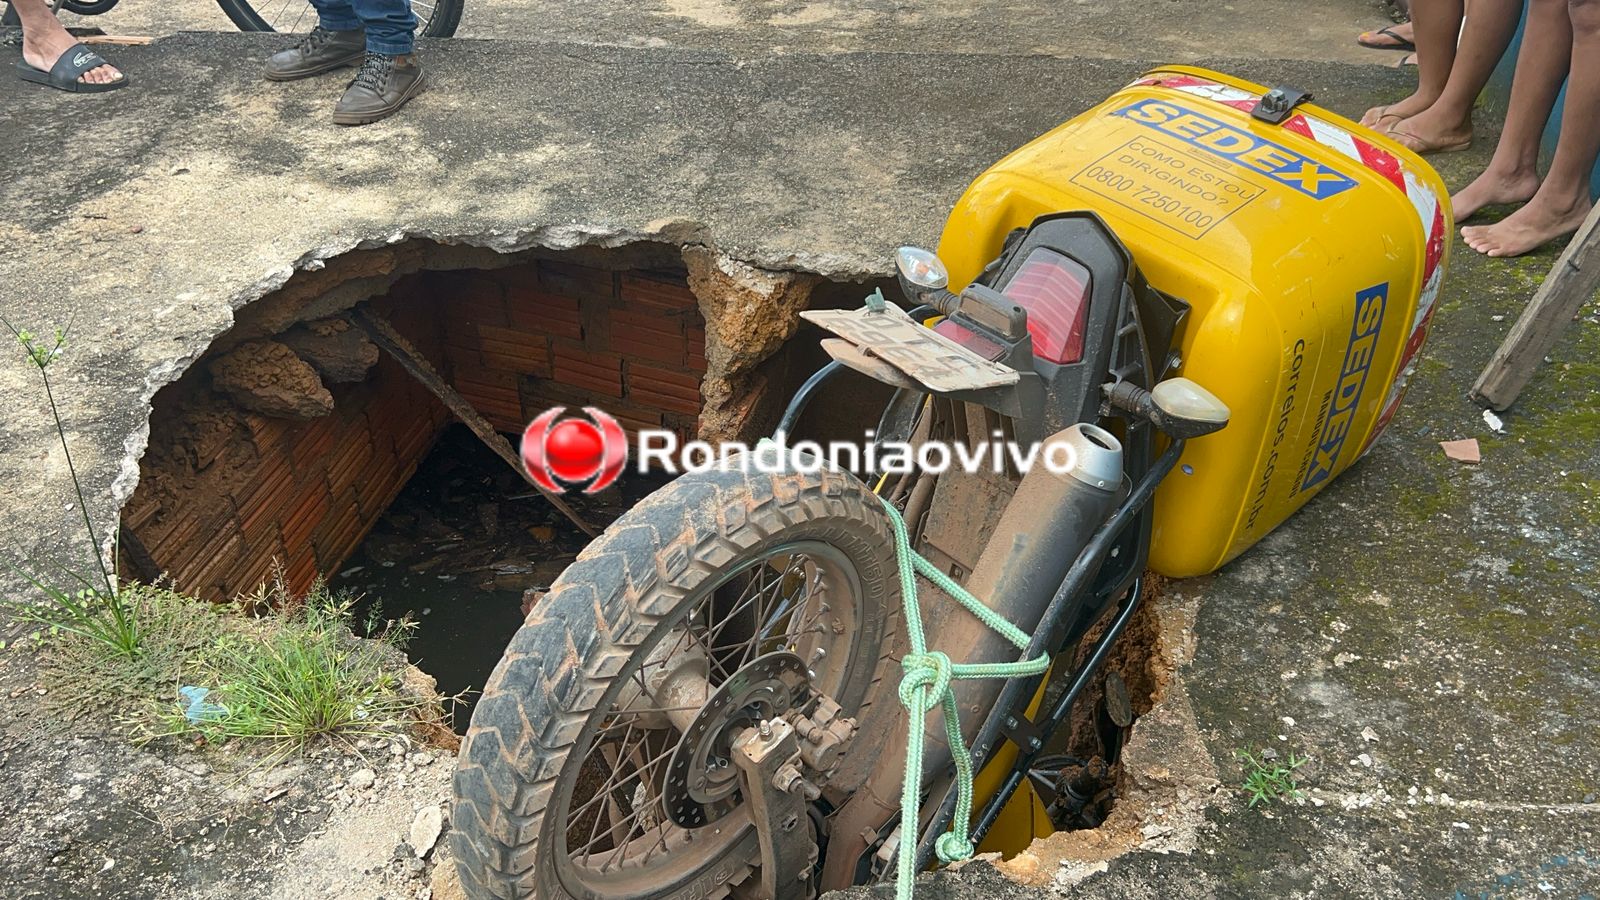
x,y
1435,27
1562,201
1512,175
1447,122
44,39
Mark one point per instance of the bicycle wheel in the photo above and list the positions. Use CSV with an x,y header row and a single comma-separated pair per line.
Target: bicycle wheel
x,y
435,18
88,7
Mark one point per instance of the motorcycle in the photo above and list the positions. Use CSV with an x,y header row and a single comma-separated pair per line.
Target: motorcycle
x,y
708,703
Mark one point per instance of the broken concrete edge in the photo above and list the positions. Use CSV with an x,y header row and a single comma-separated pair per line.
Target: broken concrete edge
x,y
1168,781
726,286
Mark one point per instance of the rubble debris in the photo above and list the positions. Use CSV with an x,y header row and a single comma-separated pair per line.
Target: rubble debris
x,y
1463,451
267,377
425,830
340,352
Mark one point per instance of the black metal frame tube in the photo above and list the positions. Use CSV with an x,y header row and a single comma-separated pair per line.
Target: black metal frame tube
x,y
1059,712
1017,692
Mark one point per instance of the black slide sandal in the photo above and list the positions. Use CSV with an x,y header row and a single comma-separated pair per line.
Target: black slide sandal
x,y
1399,43
71,65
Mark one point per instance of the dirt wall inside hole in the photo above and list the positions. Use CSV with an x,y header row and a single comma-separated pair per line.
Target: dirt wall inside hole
x,y
226,493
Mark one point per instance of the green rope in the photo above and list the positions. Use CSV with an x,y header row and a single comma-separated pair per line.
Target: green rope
x,y
926,684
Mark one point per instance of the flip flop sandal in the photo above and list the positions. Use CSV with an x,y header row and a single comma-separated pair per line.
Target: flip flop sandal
x,y
1377,124
64,75
1399,43
1419,146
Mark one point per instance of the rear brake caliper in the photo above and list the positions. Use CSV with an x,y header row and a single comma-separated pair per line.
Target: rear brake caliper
x,y
767,758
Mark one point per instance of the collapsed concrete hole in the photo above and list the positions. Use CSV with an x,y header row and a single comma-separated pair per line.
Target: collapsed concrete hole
x,y
296,445
1087,777
295,442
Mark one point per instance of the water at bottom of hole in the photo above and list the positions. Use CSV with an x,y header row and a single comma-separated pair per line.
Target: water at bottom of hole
x,y
455,552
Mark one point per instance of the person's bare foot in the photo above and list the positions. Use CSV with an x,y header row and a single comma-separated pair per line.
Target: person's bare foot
x,y
42,50
1491,188
1430,132
1379,117
1530,227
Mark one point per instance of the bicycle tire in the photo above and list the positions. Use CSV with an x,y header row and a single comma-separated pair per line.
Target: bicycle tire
x,y
88,7
441,23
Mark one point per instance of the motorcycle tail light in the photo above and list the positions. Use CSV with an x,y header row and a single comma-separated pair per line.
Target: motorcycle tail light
x,y
1055,291
970,339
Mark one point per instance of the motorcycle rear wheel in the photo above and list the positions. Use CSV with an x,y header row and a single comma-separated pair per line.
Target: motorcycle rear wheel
x,y
561,782
435,18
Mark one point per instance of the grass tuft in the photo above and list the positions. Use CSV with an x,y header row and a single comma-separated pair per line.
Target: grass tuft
x,y
94,610
297,675
1265,783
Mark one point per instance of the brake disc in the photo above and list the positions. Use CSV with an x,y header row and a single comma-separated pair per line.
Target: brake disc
x,y
701,775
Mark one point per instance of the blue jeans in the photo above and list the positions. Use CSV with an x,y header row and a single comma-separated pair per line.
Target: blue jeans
x,y
389,23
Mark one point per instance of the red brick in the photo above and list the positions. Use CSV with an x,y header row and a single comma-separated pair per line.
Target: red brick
x,y
348,460
376,487
648,335
588,370
460,358
256,569
473,298
219,535
667,380
657,291
411,443
301,571
515,350
494,394
266,433
341,527
541,312
211,578
582,282
633,418
265,494
310,506
310,443
671,402
695,348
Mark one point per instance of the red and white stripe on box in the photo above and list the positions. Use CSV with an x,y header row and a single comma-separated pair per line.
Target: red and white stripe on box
x,y
1430,213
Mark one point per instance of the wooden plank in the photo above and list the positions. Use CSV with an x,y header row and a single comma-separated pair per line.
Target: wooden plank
x,y
1571,283
393,343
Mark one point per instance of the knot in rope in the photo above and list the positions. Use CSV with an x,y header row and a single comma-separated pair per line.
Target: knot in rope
x,y
926,684
927,678
953,848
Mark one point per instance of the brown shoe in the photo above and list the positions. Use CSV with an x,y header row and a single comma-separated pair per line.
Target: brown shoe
x,y
383,85
319,51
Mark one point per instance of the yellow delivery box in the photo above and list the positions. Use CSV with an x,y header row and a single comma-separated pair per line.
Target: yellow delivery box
x,y
1309,249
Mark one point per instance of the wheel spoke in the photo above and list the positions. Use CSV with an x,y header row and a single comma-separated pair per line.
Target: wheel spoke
x,y
618,821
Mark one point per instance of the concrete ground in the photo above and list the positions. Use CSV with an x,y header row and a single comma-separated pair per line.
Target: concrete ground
x,y
1453,611
1169,30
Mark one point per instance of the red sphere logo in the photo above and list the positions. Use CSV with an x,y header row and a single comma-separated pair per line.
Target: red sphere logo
x,y
571,451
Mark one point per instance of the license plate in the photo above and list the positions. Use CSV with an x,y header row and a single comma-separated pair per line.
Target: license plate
x,y
938,363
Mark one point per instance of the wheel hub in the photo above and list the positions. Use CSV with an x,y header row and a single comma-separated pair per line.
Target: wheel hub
x,y
701,775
